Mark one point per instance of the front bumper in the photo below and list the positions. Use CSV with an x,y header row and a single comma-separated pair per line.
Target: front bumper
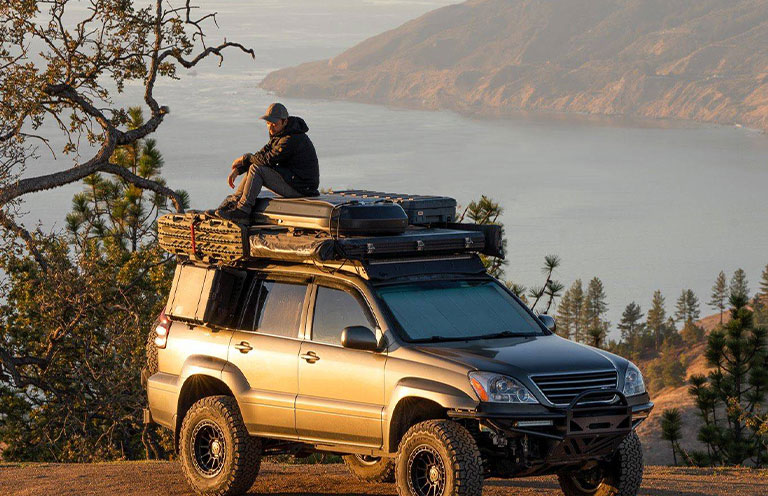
x,y
580,431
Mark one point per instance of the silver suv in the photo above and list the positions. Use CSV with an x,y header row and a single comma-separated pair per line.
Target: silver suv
x,y
424,372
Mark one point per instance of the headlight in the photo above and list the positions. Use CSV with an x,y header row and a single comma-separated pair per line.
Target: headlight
x,y
497,388
633,381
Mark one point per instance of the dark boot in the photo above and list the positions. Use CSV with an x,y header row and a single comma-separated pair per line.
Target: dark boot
x,y
229,203
236,215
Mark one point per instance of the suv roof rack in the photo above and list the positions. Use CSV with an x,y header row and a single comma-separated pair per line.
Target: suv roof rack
x,y
345,225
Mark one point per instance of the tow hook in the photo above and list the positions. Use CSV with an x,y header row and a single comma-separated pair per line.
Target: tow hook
x,y
497,439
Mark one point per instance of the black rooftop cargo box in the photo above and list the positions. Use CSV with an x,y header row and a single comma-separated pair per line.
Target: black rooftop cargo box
x,y
421,209
332,214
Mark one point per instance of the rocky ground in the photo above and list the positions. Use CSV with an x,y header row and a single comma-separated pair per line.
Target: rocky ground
x,y
165,479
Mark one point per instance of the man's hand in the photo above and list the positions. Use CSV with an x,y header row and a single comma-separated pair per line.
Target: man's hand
x,y
232,176
239,161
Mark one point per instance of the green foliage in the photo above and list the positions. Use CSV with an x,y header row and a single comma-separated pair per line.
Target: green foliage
x,y
687,307
764,283
719,295
671,425
667,370
595,308
569,318
487,211
739,287
73,332
692,334
737,352
656,319
551,288
114,211
631,327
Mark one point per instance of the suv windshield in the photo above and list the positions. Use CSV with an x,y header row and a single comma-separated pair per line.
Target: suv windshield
x,y
457,310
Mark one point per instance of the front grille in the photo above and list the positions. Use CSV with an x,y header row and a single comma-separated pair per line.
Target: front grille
x,y
561,389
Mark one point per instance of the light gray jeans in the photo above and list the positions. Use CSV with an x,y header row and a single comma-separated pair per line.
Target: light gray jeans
x,y
256,178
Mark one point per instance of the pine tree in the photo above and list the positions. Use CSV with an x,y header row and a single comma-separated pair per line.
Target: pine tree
x,y
487,211
595,308
736,387
760,303
551,262
552,292
687,308
631,326
671,426
656,319
719,294
564,309
115,211
569,312
739,286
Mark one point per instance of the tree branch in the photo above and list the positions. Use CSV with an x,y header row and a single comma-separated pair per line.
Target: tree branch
x,y
144,183
29,240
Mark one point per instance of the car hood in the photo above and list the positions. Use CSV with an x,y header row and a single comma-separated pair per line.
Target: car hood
x,y
522,357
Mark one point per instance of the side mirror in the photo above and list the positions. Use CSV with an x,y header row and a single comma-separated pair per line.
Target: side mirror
x,y
548,321
359,338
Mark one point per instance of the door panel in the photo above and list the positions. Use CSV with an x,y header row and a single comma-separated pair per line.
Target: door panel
x,y
270,369
341,395
266,350
341,391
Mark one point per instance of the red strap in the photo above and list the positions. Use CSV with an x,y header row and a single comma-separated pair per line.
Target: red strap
x,y
194,245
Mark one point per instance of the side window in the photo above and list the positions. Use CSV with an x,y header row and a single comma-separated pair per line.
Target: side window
x,y
274,308
335,310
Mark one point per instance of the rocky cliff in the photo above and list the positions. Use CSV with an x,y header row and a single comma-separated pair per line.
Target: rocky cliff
x,y
704,60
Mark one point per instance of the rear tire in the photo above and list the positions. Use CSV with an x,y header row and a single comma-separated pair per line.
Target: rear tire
x,y
371,469
438,458
621,476
218,456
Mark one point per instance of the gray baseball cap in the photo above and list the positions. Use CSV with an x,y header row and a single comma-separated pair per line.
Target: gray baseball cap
x,y
275,112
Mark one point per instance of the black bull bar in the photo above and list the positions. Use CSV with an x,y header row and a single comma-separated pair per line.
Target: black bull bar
x,y
582,431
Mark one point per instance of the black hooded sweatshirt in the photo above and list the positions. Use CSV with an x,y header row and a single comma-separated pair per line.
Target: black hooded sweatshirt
x,y
292,154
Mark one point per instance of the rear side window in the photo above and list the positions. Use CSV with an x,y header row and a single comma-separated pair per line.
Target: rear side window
x,y
334,310
274,308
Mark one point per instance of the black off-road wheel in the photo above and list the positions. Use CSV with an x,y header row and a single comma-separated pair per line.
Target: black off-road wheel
x,y
371,468
218,456
621,476
438,458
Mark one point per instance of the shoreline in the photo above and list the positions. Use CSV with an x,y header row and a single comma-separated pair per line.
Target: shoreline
x,y
543,115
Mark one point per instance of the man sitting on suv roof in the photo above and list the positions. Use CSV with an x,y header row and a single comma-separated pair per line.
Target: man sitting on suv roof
x,y
287,165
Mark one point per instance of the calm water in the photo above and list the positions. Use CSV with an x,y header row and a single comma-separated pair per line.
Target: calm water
x,y
642,207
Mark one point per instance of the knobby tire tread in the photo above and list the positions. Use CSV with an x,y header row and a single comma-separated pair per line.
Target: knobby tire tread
x,y
462,451
245,451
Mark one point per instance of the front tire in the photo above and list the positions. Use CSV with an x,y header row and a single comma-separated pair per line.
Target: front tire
x,y
621,476
218,456
438,458
371,468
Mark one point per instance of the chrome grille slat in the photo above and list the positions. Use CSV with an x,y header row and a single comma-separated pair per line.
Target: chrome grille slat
x,y
562,389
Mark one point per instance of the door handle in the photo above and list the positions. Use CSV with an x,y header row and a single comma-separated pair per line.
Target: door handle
x,y
244,347
310,357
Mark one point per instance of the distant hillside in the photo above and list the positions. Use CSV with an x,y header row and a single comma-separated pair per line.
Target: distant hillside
x,y
705,60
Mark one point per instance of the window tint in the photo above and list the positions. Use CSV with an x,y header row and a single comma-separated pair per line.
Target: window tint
x,y
335,310
274,308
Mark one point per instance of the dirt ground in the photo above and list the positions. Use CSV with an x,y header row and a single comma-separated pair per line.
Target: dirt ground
x,y
165,479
